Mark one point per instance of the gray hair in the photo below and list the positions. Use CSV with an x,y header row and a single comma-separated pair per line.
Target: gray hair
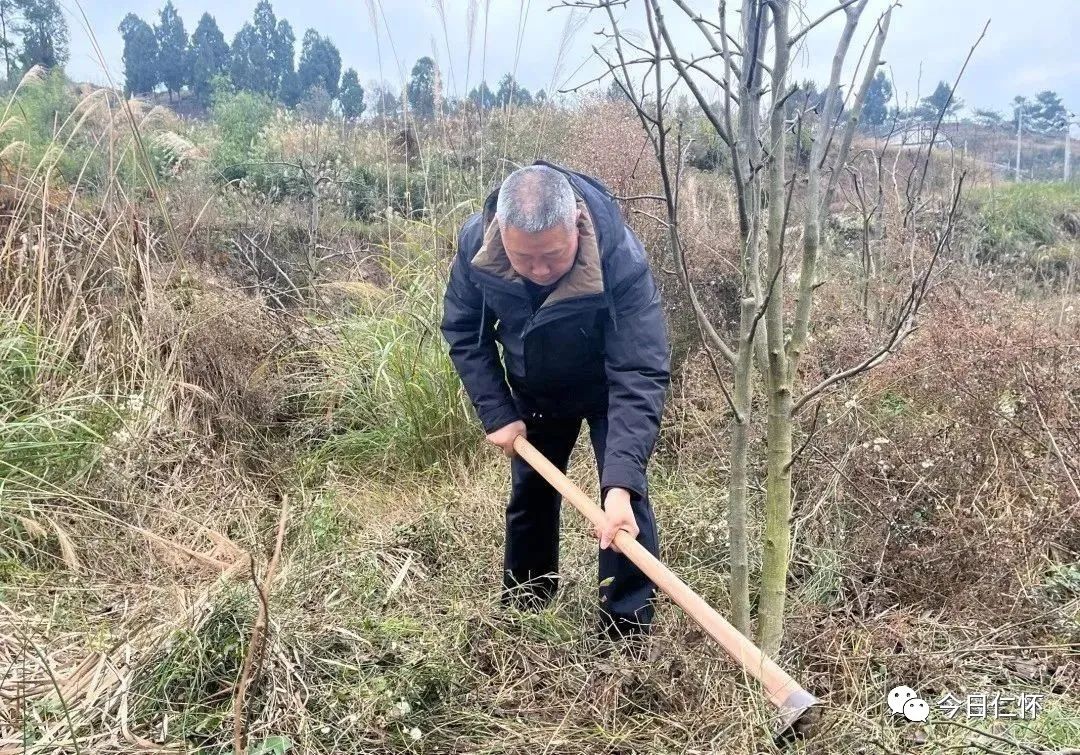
x,y
536,198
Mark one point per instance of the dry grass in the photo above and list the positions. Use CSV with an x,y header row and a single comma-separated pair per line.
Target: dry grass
x,y
158,406
387,637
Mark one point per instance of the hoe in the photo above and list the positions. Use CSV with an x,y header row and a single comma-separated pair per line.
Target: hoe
x,y
794,704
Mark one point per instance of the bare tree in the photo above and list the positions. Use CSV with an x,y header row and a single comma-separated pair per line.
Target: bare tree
x,y
751,70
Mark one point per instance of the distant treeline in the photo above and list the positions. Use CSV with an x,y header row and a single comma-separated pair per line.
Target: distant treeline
x,y
1042,114
262,60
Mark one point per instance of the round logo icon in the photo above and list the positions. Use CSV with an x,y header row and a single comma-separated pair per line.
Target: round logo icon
x,y
904,701
916,710
898,696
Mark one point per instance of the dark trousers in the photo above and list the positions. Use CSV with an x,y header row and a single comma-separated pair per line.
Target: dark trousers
x,y
531,560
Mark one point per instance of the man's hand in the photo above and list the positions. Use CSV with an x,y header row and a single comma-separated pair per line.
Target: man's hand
x,y
504,437
619,516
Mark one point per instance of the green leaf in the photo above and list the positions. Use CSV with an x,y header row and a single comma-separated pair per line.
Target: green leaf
x,y
606,582
270,746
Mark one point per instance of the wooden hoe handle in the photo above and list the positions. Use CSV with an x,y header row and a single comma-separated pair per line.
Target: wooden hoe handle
x,y
782,691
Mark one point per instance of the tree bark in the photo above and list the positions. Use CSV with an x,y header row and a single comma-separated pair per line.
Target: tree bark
x,y
777,536
814,194
4,31
737,493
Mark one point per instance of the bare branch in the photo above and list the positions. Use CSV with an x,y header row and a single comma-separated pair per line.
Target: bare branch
x,y
701,24
663,223
655,197
690,83
913,198
1053,441
582,85
733,149
693,63
628,91
812,221
856,110
708,332
597,5
904,325
828,14
809,436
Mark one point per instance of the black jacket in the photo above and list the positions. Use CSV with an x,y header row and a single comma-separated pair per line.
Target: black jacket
x,y
598,343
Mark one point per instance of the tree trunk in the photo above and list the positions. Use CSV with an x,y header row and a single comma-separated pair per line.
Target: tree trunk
x,y
774,554
759,166
777,539
3,29
749,152
737,494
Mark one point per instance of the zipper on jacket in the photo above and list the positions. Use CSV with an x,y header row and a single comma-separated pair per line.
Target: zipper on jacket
x,y
541,316
563,309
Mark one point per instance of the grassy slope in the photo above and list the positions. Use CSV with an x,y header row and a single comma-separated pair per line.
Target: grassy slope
x,y
149,442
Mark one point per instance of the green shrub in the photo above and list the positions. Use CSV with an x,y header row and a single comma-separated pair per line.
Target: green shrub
x,y
42,122
366,196
391,391
45,441
1028,224
239,117
187,674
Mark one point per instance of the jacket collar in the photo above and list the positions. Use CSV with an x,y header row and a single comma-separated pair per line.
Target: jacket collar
x,y
604,212
584,278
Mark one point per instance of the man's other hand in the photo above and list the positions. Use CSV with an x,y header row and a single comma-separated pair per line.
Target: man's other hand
x,y
618,516
504,437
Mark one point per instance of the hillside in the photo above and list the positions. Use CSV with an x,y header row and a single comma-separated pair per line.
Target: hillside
x,y
242,489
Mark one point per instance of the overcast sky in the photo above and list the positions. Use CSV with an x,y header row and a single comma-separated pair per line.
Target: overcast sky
x,y
1023,52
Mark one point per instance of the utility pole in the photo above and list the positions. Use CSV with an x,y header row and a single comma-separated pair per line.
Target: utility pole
x,y
1068,144
1019,132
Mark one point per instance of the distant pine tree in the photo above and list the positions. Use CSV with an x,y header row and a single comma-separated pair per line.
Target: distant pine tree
x,y
421,88
351,95
44,33
876,106
209,54
249,61
510,91
320,64
1047,115
282,58
940,101
290,92
173,61
140,56
482,97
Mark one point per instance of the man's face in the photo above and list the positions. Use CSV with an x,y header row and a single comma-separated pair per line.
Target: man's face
x,y
542,257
